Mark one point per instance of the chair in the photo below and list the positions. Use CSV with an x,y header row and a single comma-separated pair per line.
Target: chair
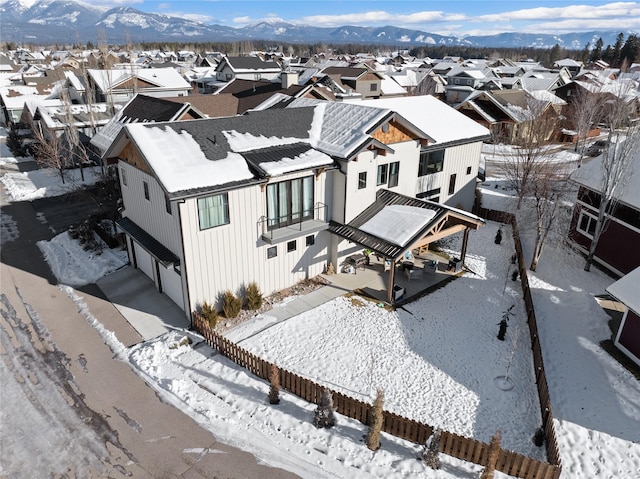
x,y
413,273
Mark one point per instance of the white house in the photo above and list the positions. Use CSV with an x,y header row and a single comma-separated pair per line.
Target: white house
x,y
246,68
211,205
627,291
448,164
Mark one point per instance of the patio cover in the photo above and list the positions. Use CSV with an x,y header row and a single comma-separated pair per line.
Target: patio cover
x,y
395,223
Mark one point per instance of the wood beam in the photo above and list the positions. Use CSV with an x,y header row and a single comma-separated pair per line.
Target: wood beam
x,y
430,238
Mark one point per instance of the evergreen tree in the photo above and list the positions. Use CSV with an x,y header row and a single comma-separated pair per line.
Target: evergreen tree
x,y
596,53
617,47
630,52
324,415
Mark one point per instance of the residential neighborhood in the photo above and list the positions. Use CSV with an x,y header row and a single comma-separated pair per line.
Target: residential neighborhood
x,y
363,225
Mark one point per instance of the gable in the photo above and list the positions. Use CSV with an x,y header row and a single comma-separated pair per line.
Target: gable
x,y
129,84
131,155
395,133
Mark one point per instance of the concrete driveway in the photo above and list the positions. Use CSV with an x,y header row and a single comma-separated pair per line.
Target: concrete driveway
x,y
148,311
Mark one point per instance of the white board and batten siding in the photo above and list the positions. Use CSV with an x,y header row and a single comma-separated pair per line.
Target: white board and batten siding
x,y
457,160
152,216
229,257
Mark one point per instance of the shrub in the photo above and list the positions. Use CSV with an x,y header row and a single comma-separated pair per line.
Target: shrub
x,y
492,456
274,381
432,450
210,314
231,304
253,296
324,414
375,422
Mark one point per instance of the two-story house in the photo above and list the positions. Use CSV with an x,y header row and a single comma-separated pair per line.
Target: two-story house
x,y
213,204
246,68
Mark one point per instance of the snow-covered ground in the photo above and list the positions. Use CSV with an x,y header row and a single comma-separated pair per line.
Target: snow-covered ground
x,y
356,348
31,185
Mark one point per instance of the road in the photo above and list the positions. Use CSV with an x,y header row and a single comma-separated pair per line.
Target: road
x,y
69,407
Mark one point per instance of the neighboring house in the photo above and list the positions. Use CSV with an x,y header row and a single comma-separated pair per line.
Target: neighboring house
x,y
362,81
119,86
211,205
627,291
617,249
144,109
574,67
246,68
509,114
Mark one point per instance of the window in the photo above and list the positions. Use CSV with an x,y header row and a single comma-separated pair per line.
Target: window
x,y
289,202
167,203
272,252
373,87
394,170
213,211
362,180
145,186
431,162
123,176
257,76
291,246
587,223
468,170
452,184
382,175
311,240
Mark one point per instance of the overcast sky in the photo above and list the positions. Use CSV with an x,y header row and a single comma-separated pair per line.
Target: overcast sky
x,y
461,17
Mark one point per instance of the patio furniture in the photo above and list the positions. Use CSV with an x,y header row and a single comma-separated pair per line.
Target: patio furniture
x,y
413,273
357,261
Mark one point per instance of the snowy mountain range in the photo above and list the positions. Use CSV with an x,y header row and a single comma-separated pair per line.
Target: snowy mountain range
x,y
69,21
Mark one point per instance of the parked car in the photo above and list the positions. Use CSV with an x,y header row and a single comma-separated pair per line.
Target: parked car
x,y
597,148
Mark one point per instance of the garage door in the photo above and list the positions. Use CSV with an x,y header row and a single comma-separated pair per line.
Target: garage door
x,y
144,262
171,284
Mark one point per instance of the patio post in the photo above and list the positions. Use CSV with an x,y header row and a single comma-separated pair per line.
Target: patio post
x,y
465,238
390,285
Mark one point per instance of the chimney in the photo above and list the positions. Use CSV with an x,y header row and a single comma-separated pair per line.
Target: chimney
x,y
289,78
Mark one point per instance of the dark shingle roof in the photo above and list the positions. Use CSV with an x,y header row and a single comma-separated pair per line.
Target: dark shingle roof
x,y
251,63
148,242
144,107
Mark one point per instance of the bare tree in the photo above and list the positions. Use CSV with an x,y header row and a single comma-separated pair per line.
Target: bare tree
x,y
48,150
616,160
548,189
519,168
585,111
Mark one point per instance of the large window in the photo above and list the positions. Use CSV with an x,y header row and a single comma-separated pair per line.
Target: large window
x,y
383,171
289,202
394,171
587,224
213,211
431,162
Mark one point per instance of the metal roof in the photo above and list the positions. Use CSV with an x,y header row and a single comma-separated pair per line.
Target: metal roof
x,y
352,231
148,242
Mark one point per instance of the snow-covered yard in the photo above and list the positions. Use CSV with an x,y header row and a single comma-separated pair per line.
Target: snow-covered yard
x,y
415,355
44,182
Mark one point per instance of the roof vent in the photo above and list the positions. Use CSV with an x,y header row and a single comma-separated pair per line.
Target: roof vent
x,y
214,140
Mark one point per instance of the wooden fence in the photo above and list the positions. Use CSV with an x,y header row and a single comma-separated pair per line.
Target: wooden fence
x,y
551,442
460,447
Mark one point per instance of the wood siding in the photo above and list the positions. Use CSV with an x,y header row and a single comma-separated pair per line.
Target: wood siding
x,y
396,134
617,248
229,257
629,336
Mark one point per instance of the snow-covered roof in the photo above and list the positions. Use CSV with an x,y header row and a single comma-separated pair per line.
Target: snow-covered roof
x,y
398,224
390,87
627,290
590,174
161,77
437,119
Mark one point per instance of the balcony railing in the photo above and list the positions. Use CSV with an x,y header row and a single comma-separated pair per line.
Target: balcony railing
x,y
276,230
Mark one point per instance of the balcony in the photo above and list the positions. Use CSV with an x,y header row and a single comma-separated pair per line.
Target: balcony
x,y
279,230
